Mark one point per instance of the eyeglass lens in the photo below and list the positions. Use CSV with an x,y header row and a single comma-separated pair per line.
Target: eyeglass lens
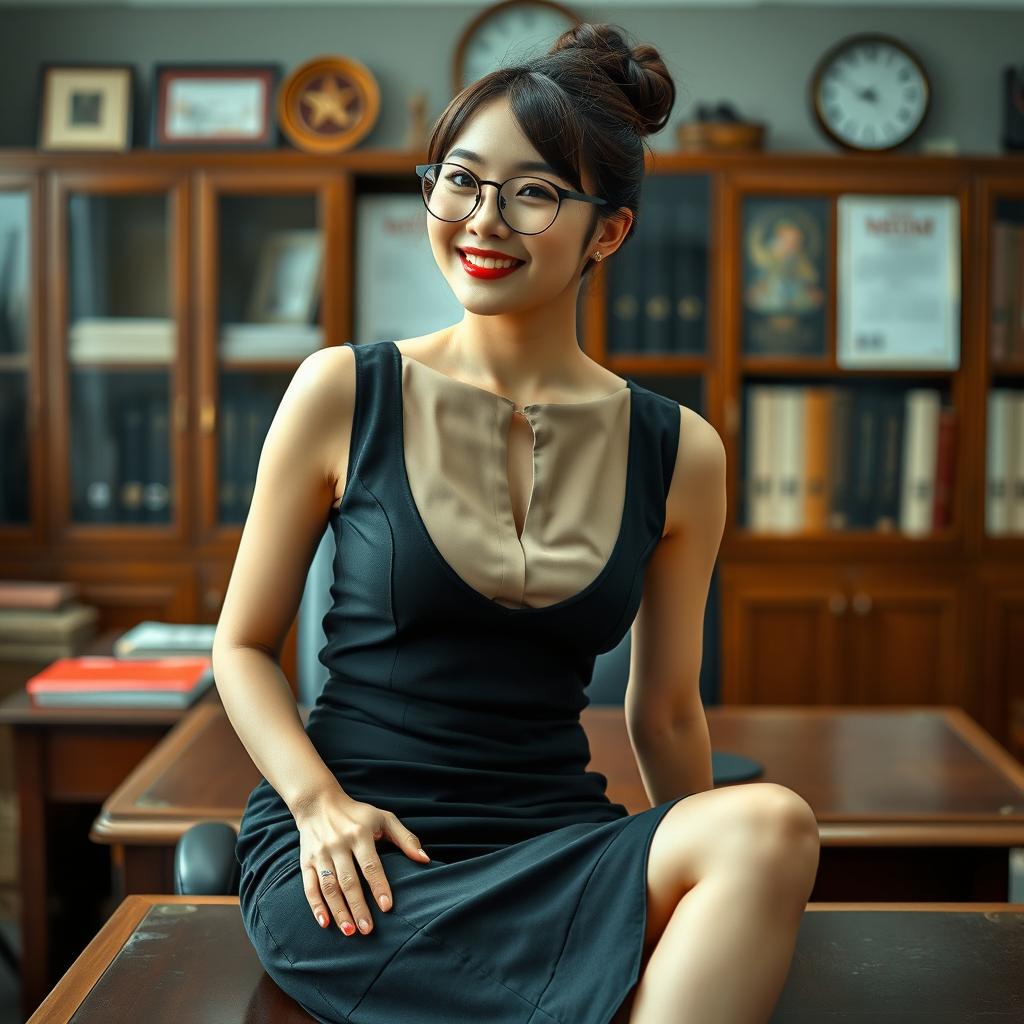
x,y
528,204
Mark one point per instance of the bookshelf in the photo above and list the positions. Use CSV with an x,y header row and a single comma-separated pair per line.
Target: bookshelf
x,y
137,384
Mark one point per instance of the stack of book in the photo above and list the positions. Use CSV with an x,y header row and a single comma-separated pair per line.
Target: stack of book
x,y
101,681
43,620
154,665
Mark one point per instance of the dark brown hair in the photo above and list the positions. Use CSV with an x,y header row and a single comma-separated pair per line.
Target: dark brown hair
x,y
588,102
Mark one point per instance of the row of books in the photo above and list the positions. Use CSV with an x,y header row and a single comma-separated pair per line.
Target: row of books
x,y
657,283
120,454
245,418
121,469
1006,318
1004,459
835,457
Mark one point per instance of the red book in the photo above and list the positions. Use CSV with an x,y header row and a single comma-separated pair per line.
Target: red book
x,y
103,681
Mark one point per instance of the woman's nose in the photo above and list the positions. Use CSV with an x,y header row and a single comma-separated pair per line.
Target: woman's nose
x,y
487,211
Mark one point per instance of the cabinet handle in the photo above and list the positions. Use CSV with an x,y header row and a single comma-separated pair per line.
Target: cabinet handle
x,y
732,417
837,603
208,416
861,602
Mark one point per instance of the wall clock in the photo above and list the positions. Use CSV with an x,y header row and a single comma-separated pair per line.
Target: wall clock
x,y
505,34
870,93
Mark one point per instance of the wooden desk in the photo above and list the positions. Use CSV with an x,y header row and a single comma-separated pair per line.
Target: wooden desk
x,y
912,803
167,959
69,760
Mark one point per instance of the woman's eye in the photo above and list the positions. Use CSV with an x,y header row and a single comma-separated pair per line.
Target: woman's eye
x,y
541,193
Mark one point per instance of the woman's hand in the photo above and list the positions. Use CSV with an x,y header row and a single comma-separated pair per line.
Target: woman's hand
x,y
336,834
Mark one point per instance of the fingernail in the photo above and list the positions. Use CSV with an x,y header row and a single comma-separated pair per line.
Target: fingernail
x,y
364,926
384,901
423,853
348,928
321,920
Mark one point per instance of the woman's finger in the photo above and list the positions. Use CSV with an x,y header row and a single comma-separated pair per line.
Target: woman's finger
x,y
352,890
325,898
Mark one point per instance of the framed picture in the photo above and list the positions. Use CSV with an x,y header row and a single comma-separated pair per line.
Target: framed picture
x,y
785,247
288,278
214,106
85,107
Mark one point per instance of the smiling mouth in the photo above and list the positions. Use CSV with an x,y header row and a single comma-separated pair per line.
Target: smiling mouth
x,y
516,262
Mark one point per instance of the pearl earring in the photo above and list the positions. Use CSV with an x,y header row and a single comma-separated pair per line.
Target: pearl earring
x,y
598,257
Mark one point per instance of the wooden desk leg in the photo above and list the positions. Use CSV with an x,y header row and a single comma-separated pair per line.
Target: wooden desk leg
x,y
32,867
142,870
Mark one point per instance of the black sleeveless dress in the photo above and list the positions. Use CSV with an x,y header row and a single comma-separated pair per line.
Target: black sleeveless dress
x,y
461,715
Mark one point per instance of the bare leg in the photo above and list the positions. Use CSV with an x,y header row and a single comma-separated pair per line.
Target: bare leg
x,y
725,953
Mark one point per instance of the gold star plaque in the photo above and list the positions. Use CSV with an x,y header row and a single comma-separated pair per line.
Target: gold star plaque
x,y
329,104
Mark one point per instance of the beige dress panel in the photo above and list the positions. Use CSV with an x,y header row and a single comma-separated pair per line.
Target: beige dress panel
x,y
467,491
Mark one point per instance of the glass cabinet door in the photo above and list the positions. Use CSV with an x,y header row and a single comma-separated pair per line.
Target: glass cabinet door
x,y
269,272
15,380
120,345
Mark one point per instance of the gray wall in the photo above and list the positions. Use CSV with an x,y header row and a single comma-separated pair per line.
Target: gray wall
x,y
758,58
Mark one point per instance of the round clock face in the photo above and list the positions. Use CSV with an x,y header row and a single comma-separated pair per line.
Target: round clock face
x,y
870,93
509,33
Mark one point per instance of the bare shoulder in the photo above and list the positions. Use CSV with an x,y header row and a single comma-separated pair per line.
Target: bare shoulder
x,y
697,490
327,379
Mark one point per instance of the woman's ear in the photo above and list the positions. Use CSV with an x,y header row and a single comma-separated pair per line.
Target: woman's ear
x,y
610,233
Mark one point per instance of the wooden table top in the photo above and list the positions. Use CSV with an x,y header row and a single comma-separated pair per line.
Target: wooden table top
x,y
913,776
188,958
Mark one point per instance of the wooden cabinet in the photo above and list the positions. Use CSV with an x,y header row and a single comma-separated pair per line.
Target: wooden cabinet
x,y
142,359
841,635
137,384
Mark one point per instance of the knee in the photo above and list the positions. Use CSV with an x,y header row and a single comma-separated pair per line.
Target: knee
x,y
780,827
792,815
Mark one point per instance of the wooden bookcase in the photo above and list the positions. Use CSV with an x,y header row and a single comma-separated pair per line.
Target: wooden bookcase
x,y
836,617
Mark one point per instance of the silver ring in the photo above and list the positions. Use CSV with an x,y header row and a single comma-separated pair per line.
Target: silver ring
x,y
325,871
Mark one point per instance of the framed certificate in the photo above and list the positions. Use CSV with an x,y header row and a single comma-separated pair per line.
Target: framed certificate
x,y
898,287
222,106
400,290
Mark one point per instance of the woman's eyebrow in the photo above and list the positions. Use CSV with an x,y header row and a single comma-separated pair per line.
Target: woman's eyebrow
x,y
526,165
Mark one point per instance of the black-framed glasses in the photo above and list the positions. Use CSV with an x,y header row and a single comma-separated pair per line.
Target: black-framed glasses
x,y
527,204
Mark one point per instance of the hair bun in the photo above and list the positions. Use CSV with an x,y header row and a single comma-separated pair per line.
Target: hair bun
x,y
638,71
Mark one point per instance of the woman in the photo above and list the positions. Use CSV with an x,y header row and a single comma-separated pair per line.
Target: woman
x,y
502,504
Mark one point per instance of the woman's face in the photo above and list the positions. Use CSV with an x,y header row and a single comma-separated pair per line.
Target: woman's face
x,y
553,258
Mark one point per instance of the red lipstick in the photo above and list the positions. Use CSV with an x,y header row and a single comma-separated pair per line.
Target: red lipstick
x,y
484,273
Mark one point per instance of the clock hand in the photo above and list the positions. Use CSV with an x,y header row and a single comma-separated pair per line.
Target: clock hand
x,y
866,93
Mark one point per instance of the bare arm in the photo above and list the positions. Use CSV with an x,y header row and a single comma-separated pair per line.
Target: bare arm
x,y
664,714
291,501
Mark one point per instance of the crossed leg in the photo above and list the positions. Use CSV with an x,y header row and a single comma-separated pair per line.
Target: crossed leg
x,y
728,878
